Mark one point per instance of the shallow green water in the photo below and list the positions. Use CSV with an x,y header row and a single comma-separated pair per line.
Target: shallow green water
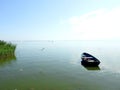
x,y
55,65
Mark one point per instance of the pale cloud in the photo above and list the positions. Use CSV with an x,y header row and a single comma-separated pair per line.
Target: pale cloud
x,y
99,24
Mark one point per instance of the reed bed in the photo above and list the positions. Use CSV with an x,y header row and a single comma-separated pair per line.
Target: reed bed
x,y
6,49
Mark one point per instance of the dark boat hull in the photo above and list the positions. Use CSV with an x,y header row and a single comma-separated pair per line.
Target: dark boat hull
x,y
92,61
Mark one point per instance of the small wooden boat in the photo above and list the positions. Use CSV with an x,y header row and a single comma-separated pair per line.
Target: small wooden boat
x,y
89,60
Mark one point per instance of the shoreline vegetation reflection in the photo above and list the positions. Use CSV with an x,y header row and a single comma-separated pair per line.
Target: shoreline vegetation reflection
x,y
7,60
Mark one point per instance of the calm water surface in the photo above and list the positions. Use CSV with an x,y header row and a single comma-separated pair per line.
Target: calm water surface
x,y
55,65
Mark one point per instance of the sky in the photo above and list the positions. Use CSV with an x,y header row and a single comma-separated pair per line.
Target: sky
x,y
59,19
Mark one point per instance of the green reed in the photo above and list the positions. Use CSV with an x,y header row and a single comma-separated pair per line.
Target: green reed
x,y
6,49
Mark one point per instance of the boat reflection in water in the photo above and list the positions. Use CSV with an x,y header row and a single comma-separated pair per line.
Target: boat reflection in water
x,y
91,68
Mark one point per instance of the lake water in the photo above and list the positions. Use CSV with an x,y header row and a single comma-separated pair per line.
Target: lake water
x,y
55,65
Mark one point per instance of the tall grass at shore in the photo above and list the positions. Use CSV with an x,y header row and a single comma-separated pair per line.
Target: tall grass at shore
x,y
6,49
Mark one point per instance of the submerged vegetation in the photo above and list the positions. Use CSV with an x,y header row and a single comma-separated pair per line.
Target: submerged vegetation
x,y
6,49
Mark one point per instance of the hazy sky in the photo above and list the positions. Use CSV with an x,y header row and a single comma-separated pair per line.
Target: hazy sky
x,y
59,19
